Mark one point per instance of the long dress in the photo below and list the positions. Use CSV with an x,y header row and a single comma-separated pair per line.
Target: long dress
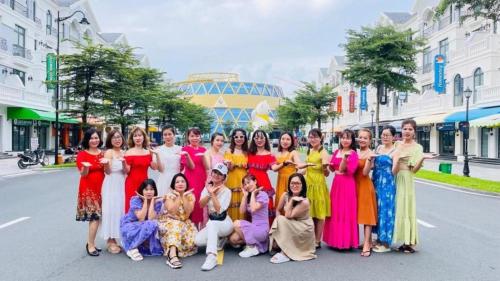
x,y
113,200
258,165
317,191
256,232
283,174
341,228
405,223
233,182
89,191
142,235
196,178
385,188
295,237
178,230
139,165
171,160
367,200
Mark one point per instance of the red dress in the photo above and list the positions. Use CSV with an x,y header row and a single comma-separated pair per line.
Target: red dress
x,y
139,165
89,191
258,165
196,178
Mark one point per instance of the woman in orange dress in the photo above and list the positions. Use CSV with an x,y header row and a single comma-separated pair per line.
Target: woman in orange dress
x,y
139,157
367,200
287,159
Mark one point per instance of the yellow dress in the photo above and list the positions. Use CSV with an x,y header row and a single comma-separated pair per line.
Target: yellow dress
x,y
283,174
233,182
317,191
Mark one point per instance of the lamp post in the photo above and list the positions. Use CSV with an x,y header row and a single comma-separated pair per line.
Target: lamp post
x,y
59,19
468,94
372,112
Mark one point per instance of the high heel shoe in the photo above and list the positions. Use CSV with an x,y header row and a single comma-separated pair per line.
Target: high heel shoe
x,y
94,253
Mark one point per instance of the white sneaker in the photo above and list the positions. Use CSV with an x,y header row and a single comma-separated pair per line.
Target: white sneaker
x,y
381,249
221,243
249,251
210,262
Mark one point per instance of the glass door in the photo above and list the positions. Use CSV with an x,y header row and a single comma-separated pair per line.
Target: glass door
x,y
447,142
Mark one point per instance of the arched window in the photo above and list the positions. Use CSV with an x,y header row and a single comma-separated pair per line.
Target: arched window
x,y
49,23
458,91
478,78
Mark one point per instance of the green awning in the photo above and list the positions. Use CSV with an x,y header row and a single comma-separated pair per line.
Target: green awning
x,y
23,113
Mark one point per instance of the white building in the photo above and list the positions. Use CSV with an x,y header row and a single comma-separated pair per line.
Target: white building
x,y
28,33
472,55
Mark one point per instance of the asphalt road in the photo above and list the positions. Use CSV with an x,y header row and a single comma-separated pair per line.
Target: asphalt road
x,y
460,240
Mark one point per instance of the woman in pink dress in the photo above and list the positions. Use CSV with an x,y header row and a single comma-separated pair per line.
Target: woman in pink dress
x,y
341,228
139,157
214,154
194,170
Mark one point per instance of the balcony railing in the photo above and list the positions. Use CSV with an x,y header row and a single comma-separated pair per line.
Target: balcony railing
x,y
19,8
20,51
21,97
3,44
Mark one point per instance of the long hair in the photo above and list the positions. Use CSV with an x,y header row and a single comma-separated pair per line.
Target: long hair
x,y
253,145
145,184
316,133
349,134
214,135
86,138
172,183
303,192
292,146
232,144
130,141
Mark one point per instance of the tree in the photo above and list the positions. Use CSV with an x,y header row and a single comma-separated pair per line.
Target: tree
x,y
84,75
227,127
150,93
291,116
488,9
315,102
383,58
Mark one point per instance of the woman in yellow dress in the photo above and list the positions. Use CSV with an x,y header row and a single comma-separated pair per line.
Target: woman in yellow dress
x,y
236,160
287,159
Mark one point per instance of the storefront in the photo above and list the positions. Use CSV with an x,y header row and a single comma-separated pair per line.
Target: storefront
x,y
424,137
21,134
446,138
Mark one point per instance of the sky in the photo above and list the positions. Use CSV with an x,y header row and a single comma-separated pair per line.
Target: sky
x,y
279,42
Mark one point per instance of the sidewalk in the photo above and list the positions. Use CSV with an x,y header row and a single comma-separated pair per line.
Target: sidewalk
x,y
482,171
9,167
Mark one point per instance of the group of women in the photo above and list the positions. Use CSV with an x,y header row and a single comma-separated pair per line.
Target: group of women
x,y
207,197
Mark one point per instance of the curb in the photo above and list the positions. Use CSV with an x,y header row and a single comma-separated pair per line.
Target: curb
x,y
460,188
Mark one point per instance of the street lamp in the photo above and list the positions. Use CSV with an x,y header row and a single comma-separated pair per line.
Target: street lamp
x,y
59,19
468,94
372,112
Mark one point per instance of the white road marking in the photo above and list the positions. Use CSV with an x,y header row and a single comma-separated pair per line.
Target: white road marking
x,y
426,224
14,222
19,174
456,189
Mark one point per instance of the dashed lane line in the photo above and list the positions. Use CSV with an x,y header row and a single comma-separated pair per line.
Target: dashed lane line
x,y
425,224
7,224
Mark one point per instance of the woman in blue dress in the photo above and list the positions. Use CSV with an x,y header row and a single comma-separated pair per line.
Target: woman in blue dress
x,y
139,227
385,188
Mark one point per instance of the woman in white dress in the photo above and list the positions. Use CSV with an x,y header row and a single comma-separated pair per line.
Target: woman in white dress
x,y
170,155
113,190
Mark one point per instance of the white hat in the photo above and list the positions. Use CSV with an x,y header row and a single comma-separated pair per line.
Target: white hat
x,y
221,168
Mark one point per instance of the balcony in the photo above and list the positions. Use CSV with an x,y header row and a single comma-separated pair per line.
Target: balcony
x,y
488,43
488,96
3,44
15,96
19,51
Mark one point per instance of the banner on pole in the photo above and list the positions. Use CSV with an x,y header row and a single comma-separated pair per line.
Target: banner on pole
x,y
352,101
51,68
439,80
363,105
339,104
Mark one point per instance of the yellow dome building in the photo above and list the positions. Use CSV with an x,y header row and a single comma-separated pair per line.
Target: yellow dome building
x,y
229,100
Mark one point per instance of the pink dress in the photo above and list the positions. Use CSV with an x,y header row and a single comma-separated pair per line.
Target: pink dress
x,y
341,228
196,178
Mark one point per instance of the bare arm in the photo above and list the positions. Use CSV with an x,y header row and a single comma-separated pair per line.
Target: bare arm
x,y
188,203
141,214
107,166
156,159
151,210
254,205
325,160
243,204
300,209
281,204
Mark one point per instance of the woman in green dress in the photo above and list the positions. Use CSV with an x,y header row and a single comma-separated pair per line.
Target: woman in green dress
x,y
408,159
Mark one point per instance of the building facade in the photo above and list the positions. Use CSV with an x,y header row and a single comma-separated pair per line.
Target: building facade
x,y
230,101
471,53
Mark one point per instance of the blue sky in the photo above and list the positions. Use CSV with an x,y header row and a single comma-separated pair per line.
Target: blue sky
x,y
272,41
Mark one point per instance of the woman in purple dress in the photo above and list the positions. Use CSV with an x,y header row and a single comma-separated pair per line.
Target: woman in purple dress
x,y
255,233
139,227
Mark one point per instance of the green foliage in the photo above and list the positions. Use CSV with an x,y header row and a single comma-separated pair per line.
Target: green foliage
x,y
291,116
488,9
382,55
227,126
315,103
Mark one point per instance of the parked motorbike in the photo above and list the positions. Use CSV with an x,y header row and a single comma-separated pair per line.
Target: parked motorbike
x,y
31,158
73,152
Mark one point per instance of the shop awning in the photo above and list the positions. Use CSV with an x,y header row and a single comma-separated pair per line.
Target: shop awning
x,y
431,119
488,121
23,113
473,114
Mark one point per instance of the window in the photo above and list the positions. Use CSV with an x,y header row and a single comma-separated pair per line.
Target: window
x,y
478,81
49,23
34,10
34,44
21,74
444,48
19,47
484,141
426,88
458,91
427,60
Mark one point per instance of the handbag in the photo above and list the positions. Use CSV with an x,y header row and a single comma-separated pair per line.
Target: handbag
x,y
218,217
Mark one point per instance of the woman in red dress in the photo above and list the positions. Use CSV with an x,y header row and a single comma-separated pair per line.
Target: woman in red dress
x,y
260,160
88,162
139,157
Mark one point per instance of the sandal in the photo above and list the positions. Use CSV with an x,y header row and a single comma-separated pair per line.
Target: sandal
x,y
114,249
135,255
173,262
364,253
406,249
279,258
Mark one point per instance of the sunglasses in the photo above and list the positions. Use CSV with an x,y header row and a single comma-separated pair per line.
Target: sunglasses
x,y
238,137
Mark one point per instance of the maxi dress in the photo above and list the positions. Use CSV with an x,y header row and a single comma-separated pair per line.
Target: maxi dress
x,y
89,191
317,191
233,182
196,178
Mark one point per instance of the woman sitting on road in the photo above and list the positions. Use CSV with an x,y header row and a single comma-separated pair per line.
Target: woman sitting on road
x,y
216,196
177,232
139,227
253,233
292,232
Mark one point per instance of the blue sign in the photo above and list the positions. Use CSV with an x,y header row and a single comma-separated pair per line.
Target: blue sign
x,y
363,102
439,81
